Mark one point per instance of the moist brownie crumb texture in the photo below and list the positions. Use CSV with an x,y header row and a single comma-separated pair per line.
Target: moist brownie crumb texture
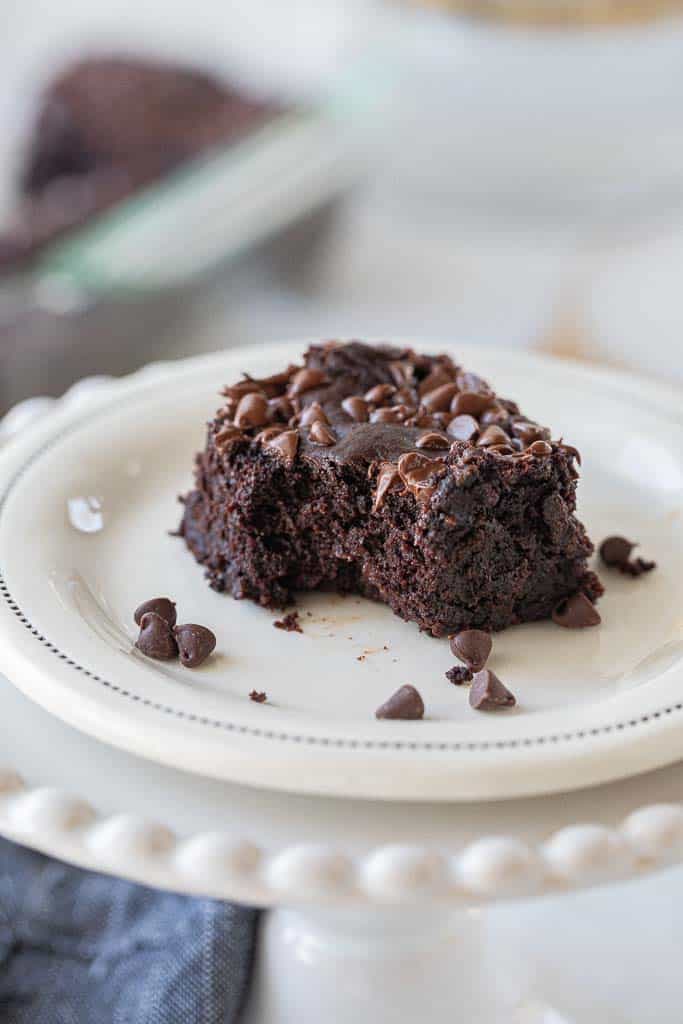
x,y
395,475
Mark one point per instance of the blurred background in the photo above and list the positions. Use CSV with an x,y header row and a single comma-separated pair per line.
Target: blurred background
x,y
179,178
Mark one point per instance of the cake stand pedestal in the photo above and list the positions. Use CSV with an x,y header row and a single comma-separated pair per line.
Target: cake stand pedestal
x,y
379,911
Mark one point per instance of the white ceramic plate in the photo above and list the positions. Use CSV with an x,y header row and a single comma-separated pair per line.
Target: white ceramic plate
x,y
593,705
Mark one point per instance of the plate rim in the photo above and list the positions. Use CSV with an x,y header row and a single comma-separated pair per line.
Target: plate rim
x,y
26,672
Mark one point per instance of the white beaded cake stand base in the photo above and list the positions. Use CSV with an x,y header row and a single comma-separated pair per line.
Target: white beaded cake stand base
x,y
380,911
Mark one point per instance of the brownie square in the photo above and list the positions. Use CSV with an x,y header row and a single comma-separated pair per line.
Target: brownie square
x,y
384,472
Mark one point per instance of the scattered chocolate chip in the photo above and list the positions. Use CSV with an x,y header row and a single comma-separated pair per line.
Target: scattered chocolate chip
x,y
616,551
252,411
355,407
463,428
472,646
637,567
405,703
195,643
286,444
227,436
259,697
540,448
528,432
306,380
576,612
432,440
388,477
156,639
321,434
312,413
440,398
488,693
470,403
459,674
492,435
380,393
289,622
161,606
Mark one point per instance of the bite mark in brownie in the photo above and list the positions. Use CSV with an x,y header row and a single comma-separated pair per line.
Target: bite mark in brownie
x,y
452,528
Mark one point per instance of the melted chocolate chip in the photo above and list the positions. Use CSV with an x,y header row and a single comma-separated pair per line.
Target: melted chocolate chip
x,y
156,638
321,434
459,674
379,393
286,445
227,437
195,643
252,411
406,703
268,434
388,477
576,612
356,408
488,693
312,413
464,428
540,448
432,440
306,380
161,606
472,646
493,435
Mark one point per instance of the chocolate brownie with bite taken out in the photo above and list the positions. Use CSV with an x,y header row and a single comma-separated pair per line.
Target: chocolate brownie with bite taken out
x,y
400,476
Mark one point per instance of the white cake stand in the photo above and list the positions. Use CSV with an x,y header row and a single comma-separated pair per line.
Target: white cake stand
x,y
377,909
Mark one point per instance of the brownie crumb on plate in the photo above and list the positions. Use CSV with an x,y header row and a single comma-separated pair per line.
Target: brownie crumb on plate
x,y
426,490
290,623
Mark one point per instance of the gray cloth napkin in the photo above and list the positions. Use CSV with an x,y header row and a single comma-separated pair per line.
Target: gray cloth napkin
x,y
81,948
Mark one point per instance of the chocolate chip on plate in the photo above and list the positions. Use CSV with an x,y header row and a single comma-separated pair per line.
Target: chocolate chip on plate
x,y
405,703
459,674
576,612
156,638
472,646
259,697
488,693
195,643
616,551
162,606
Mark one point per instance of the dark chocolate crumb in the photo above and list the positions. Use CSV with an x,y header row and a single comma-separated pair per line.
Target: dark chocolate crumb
x,y
459,674
636,567
259,697
289,622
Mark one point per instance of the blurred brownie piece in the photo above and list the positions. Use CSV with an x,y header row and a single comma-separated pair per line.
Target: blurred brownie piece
x,y
109,126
